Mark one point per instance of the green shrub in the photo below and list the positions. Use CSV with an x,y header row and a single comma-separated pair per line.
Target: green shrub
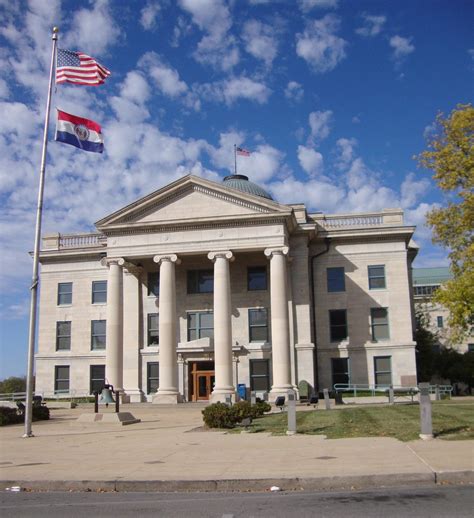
x,y
219,415
242,410
260,408
40,413
9,416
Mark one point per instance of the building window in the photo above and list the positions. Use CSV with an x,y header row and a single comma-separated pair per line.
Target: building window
x,y
259,375
200,281
470,348
335,279
154,284
420,291
379,324
99,292
340,370
97,378
256,278
337,324
258,325
152,377
152,329
383,370
439,321
61,379
64,293
376,277
200,325
63,336
98,334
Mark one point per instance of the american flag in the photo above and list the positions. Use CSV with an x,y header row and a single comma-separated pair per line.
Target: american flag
x,y
243,152
79,69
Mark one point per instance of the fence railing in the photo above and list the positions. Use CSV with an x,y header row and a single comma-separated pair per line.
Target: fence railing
x,y
59,395
361,390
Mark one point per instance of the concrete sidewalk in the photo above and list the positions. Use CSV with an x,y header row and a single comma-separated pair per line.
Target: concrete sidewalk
x,y
168,451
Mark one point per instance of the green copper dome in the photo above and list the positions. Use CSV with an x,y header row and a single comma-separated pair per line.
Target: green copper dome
x,y
240,182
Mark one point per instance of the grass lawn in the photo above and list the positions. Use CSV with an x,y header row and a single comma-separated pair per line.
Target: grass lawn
x,y
451,421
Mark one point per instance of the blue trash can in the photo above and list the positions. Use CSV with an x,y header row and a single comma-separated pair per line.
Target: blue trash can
x,y
242,390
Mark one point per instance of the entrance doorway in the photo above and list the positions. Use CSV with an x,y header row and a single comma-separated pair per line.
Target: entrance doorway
x,y
201,380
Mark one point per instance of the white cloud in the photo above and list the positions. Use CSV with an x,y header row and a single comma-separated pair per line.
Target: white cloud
x,y
411,190
372,25
93,30
294,91
345,149
401,46
417,217
165,78
307,5
260,41
310,160
320,124
233,89
319,45
217,47
149,14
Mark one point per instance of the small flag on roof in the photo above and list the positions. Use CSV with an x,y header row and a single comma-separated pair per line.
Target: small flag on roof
x,y
77,131
79,69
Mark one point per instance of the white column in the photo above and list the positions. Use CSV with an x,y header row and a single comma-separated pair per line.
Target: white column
x,y
132,317
222,326
114,343
168,370
281,363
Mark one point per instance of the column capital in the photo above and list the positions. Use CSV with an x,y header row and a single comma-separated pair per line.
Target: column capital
x,y
107,261
130,267
172,258
281,250
225,254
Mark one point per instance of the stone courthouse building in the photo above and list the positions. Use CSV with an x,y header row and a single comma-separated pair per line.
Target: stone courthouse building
x,y
202,288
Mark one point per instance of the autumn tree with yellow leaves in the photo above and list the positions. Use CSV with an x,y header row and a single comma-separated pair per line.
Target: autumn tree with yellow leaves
x,y
450,155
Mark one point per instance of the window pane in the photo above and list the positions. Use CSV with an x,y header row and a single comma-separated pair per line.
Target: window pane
x,y
260,384
206,333
64,328
258,334
259,367
379,315
97,378
63,343
64,293
99,292
376,283
192,334
257,278
376,277
335,279
207,319
62,372
377,271
338,333
152,377
154,284
153,370
382,363
206,281
192,320
98,342
381,332
98,334
337,317
384,379
258,317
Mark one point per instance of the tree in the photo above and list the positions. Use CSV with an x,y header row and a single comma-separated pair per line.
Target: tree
x,y
12,384
426,343
450,155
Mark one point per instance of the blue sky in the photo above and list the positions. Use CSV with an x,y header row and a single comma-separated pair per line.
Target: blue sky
x,y
333,98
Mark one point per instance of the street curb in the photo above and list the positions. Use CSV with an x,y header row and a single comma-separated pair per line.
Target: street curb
x,y
248,485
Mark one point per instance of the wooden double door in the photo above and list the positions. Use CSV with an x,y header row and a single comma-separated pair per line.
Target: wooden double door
x,y
201,380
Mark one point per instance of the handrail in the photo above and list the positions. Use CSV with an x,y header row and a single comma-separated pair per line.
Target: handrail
x,y
354,387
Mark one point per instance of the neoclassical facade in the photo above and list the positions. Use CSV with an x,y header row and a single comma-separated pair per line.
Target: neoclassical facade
x,y
204,290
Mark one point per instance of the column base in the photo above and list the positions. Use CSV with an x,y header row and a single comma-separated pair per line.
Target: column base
x,y
222,394
166,399
133,396
279,391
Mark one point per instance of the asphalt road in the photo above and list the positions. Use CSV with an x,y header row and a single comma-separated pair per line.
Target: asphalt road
x,y
451,501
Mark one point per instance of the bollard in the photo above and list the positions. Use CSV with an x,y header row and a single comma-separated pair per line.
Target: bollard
x,y
391,395
253,397
291,411
117,401
228,399
327,402
425,412
437,393
96,402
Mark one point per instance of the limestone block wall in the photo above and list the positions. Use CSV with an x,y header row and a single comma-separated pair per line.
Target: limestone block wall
x,y
357,300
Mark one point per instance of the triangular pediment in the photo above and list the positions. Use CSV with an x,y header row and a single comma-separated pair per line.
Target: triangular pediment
x,y
191,199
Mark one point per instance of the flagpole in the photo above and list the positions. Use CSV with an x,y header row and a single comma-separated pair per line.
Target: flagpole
x,y
235,159
35,278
